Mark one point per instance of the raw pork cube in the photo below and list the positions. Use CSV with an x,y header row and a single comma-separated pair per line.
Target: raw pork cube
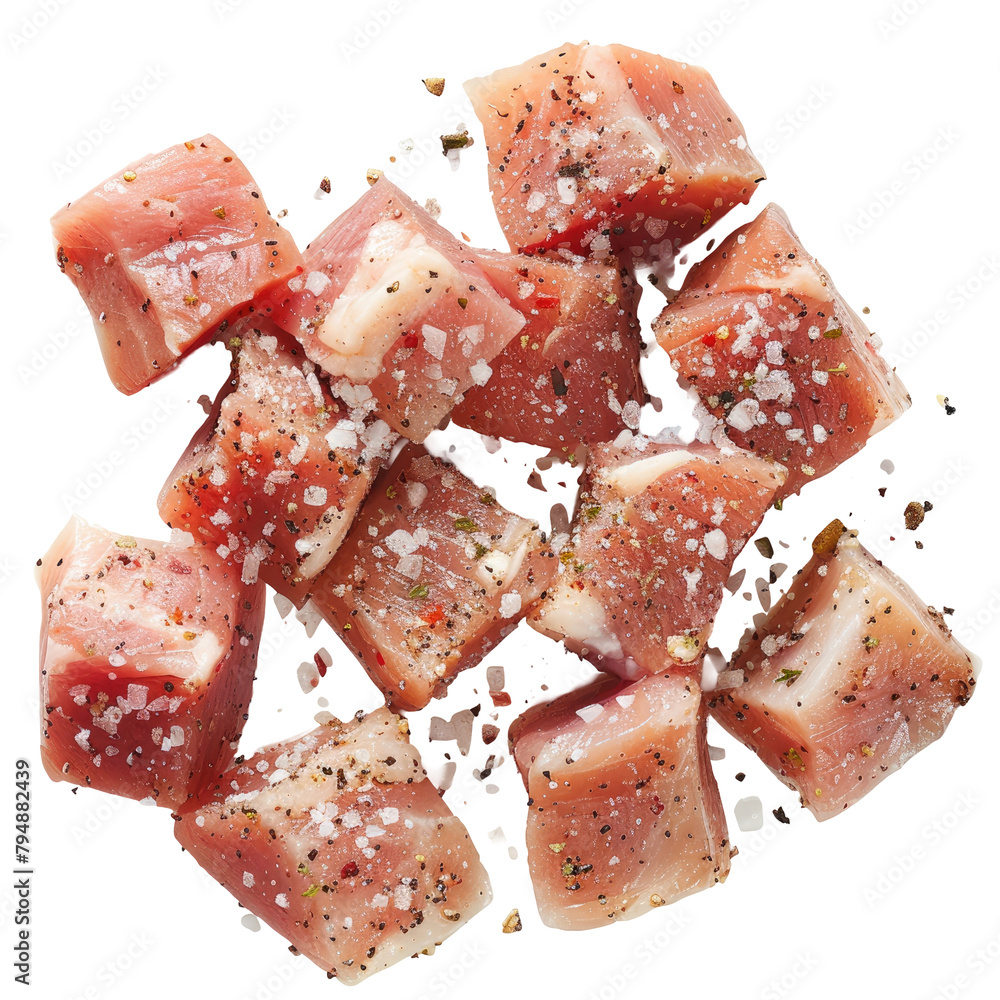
x,y
572,374
850,676
276,473
776,354
657,528
603,147
624,813
392,300
165,251
432,575
339,842
148,652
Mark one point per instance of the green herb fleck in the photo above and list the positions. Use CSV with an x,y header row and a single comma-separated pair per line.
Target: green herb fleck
x,y
418,592
787,677
465,524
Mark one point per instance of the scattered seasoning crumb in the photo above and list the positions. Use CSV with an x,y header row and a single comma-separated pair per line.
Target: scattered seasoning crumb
x,y
942,400
129,176
887,467
324,185
512,922
826,541
490,733
741,776
779,815
373,175
435,86
455,140
764,547
913,515
881,491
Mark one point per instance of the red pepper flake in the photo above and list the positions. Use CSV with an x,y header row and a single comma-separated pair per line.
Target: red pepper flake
x,y
379,659
547,301
320,665
708,340
349,870
500,699
657,806
411,340
432,614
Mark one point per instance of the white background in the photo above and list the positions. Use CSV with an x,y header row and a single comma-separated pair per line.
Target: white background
x,y
845,102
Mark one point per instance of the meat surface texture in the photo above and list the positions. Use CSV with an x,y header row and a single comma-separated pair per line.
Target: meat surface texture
x,y
166,251
624,813
657,527
604,148
572,374
778,358
433,574
275,475
148,652
849,677
391,300
339,842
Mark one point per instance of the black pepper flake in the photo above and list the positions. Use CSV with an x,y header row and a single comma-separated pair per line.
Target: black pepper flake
x,y
779,815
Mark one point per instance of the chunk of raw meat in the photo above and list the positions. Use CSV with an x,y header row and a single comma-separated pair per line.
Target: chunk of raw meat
x,y
605,148
339,842
168,249
850,676
431,576
274,476
392,300
624,813
776,354
572,374
148,652
657,528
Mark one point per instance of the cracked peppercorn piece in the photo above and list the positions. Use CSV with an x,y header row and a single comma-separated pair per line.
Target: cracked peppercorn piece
x,y
586,152
780,362
339,841
147,662
625,814
878,677
430,577
162,260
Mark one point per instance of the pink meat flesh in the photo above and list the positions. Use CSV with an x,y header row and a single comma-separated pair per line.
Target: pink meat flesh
x,y
391,300
433,574
776,355
572,374
657,528
339,842
849,677
167,250
624,813
598,148
275,475
147,657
